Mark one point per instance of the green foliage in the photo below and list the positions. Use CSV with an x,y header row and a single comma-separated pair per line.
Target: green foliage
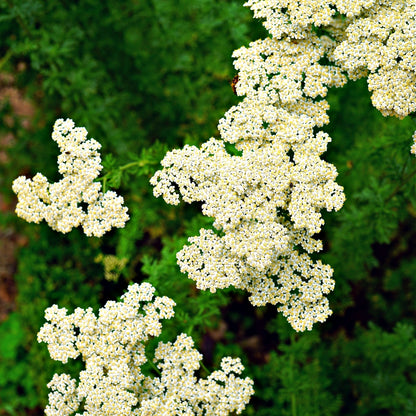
x,y
195,311
380,368
53,269
147,76
375,166
295,380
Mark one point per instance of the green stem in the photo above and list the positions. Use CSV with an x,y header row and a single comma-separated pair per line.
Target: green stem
x,y
104,184
404,166
206,369
154,366
139,163
6,57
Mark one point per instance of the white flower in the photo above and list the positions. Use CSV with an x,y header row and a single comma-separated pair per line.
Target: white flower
x,y
112,346
266,201
381,42
59,203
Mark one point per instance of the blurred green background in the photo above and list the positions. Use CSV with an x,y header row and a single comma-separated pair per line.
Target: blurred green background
x,y
147,76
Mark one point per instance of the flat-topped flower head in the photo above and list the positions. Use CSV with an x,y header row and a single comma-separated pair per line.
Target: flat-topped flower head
x,y
112,345
294,19
60,203
381,43
268,199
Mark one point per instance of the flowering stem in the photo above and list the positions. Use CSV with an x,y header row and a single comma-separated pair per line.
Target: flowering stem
x,y
140,163
206,369
154,366
104,183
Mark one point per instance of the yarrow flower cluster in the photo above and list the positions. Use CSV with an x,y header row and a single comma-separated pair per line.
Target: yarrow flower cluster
x,y
381,43
264,182
59,204
266,201
113,347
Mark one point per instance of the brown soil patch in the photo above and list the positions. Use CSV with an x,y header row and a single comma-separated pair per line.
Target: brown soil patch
x,y
22,112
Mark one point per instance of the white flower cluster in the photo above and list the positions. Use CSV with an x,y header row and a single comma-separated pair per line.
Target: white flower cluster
x,y
179,392
381,43
59,203
113,347
294,18
266,202
375,38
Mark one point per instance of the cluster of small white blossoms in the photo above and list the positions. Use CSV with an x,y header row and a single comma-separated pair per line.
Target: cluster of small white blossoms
x,y
113,347
266,203
381,43
59,203
294,18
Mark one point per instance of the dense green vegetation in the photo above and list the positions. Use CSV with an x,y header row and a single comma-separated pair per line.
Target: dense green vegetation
x,y
147,76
